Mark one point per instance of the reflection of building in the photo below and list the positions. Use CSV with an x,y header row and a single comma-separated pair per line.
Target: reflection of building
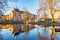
x,y
17,28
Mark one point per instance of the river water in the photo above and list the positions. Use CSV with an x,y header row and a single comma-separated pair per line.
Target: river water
x,y
32,34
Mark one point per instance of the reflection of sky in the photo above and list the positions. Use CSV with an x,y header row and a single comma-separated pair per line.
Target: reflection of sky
x,y
31,5
7,35
32,35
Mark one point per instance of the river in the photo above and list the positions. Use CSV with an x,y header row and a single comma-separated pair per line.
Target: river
x,y
32,34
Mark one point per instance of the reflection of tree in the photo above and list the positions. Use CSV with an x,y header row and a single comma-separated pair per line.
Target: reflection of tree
x,y
1,36
25,35
40,37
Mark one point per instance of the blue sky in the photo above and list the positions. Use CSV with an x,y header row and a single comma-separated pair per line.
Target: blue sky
x,y
31,5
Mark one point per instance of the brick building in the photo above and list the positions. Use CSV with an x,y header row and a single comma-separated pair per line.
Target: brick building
x,y
17,15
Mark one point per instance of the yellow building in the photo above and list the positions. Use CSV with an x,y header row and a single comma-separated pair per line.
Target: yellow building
x,y
57,18
57,15
7,17
27,16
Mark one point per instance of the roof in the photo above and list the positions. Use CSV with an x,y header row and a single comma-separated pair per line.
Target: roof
x,y
17,10
21,11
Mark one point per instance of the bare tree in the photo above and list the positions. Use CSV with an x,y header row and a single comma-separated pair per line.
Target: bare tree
x,y
4,6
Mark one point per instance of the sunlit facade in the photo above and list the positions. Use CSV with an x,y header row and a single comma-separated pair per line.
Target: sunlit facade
x,y
57,19
57,15
17,15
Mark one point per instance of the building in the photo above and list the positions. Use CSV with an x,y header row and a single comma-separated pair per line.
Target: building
x,y
45,18
57,19
17,14
27,16
57,15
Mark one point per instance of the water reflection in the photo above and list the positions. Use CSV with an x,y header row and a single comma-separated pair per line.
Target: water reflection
x,y
22,32
1,36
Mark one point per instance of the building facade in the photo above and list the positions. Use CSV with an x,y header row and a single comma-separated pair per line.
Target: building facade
x,y
17,15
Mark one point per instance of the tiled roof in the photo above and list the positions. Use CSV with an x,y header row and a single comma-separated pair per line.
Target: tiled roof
x,y
17,10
